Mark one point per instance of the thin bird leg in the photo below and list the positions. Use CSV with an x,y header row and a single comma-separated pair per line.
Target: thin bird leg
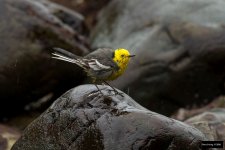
x,y
98,89
112,88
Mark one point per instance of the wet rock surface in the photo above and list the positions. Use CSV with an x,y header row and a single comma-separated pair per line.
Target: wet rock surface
x,y
29,29
83,119
178,50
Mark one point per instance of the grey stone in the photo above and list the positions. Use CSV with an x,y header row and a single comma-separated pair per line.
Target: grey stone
x,y
84,119
211,123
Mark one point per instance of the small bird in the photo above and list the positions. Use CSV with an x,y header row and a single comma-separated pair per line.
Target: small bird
x,y
103,64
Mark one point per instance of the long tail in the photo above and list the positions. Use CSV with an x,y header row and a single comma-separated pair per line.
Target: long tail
x,y
64,55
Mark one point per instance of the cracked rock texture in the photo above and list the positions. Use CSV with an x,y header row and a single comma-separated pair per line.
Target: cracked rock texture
x,y
179,47
84,119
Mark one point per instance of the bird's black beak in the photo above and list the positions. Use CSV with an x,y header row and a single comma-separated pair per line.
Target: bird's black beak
x,y
131,55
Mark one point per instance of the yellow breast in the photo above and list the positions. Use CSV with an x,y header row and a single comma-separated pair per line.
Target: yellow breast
x,y
116,74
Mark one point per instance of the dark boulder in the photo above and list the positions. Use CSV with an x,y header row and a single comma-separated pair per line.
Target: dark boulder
x,y
88,8
29,29
84,119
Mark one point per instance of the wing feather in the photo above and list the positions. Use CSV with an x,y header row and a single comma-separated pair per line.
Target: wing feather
x,y
93,64
96,65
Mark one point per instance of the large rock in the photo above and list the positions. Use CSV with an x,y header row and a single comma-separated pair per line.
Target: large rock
x,y
211,123
29,29
185,113
89,8
179,47
84,119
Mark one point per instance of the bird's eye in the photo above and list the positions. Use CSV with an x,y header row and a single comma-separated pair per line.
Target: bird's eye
x,y
122,55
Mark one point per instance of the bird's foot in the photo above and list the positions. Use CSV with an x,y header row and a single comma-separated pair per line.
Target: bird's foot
x,y
116,92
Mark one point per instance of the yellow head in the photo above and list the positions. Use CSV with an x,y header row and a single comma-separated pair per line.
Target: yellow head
x,y
122,58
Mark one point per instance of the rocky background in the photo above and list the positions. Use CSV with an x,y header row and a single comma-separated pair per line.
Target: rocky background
x,y
178,72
